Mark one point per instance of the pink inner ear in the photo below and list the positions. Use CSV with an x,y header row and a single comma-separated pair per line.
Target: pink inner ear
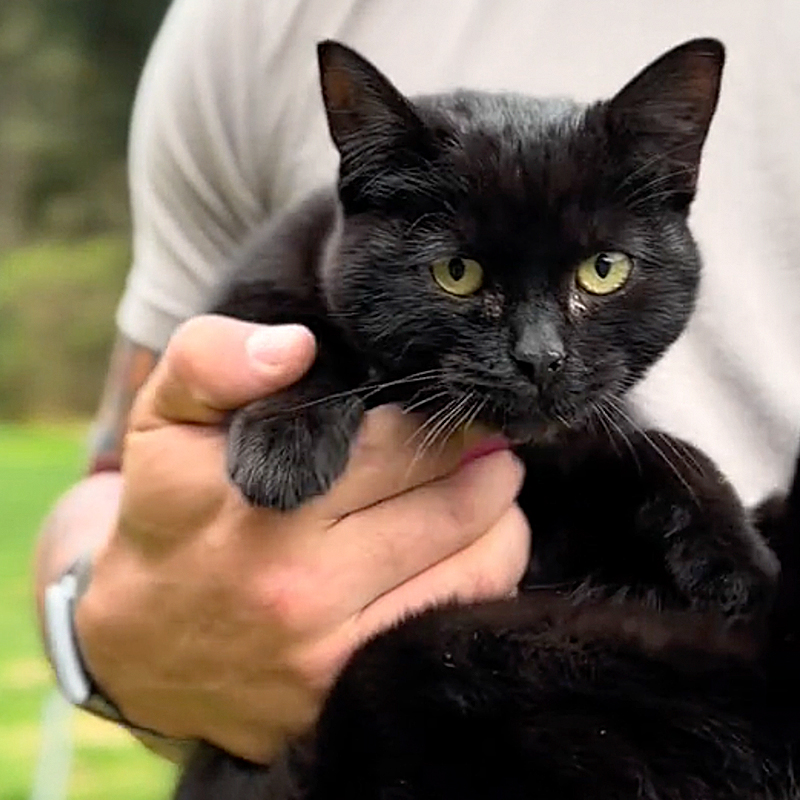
x,y
702,84
339,89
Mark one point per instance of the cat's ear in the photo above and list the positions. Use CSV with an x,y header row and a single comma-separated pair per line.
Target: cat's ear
x,y
366,114
667,108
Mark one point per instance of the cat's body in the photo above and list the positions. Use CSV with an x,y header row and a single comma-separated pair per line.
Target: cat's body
x,y
523,263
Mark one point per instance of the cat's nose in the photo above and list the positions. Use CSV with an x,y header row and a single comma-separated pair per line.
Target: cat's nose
x,y
538,348
539,364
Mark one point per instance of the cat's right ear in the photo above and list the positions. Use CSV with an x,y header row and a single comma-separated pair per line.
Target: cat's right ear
x,y
366,115
667,109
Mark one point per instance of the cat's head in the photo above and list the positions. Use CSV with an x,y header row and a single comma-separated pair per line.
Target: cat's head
x,y
533,254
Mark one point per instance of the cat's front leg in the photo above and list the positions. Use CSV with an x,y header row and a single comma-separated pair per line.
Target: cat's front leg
x,y
651,517
711,547
285,449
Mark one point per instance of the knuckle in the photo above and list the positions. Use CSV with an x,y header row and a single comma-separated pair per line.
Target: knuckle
x,y
507,475
317,665
180,355
462,511
289,598
486,496
516,529
500,568
515,544
490,582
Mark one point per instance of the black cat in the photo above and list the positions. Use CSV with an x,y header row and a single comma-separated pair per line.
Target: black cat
x,y
523,262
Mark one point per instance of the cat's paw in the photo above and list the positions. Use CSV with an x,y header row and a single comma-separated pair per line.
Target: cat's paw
x,y
280,460
711,578
715,556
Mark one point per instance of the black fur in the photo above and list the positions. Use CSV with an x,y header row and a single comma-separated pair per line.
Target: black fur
x,y
528,188
644,656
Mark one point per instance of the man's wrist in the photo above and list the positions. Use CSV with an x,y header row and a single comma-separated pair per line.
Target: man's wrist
x,y
81,523
73,676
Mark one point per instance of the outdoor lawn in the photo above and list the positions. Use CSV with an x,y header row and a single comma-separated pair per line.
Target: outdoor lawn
x,y
36,463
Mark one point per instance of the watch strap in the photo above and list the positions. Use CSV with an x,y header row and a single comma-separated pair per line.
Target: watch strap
x,y
72,676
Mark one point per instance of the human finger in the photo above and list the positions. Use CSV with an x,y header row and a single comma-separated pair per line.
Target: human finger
x,y
488,569
214,364
391,455
347,567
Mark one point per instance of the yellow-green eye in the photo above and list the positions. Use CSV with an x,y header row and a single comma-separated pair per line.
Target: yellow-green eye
x,y
604,273
459,276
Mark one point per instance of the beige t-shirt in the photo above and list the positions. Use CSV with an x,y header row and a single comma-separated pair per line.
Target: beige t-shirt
x,y
229,128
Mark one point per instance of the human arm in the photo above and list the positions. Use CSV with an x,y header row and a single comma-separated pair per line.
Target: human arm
x,y
83,517
204,617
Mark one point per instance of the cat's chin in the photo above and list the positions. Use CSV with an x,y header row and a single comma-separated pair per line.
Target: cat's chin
x,y
528,432
490,436
522,428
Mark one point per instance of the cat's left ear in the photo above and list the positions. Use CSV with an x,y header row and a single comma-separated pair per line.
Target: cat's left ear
x,y
667,108
366,115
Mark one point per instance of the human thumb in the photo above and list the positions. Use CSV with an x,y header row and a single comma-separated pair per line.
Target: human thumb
x,y
215,364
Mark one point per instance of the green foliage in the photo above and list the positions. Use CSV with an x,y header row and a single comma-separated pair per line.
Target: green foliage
x,y
57,304
68,70
35,465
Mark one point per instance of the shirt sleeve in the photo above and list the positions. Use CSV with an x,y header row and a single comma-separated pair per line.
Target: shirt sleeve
x,y
196,189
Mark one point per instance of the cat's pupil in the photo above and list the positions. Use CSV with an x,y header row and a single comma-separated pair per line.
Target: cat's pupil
x,y
602,265
456,268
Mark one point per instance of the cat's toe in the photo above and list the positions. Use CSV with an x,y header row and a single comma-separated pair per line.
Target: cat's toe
x,y
270,472
282,463
715,557
715,581
738,579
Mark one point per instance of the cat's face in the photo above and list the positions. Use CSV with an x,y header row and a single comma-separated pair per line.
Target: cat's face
x,y
533,255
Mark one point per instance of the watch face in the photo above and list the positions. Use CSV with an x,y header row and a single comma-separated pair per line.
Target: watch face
x,y
62,647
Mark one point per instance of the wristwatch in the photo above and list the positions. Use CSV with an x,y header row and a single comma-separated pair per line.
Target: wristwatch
x,y
72,676
73,679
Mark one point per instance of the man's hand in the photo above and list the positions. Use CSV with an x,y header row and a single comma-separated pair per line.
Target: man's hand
x,y
208,618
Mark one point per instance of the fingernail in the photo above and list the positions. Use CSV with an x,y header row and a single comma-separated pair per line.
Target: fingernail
x,y
276,345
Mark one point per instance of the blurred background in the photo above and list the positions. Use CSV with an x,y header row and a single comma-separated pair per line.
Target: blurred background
x,y
68,70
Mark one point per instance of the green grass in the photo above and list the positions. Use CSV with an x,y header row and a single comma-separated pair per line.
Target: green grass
x,y
36,464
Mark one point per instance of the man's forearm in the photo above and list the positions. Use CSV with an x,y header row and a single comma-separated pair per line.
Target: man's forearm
x,y
85,515
80,522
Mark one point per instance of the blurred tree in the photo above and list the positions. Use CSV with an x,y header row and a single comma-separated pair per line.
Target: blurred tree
x,y
68,70
56,322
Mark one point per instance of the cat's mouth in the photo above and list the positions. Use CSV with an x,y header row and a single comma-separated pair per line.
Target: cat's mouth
x,y
525,412
516,411
507,417
540,431
521,417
